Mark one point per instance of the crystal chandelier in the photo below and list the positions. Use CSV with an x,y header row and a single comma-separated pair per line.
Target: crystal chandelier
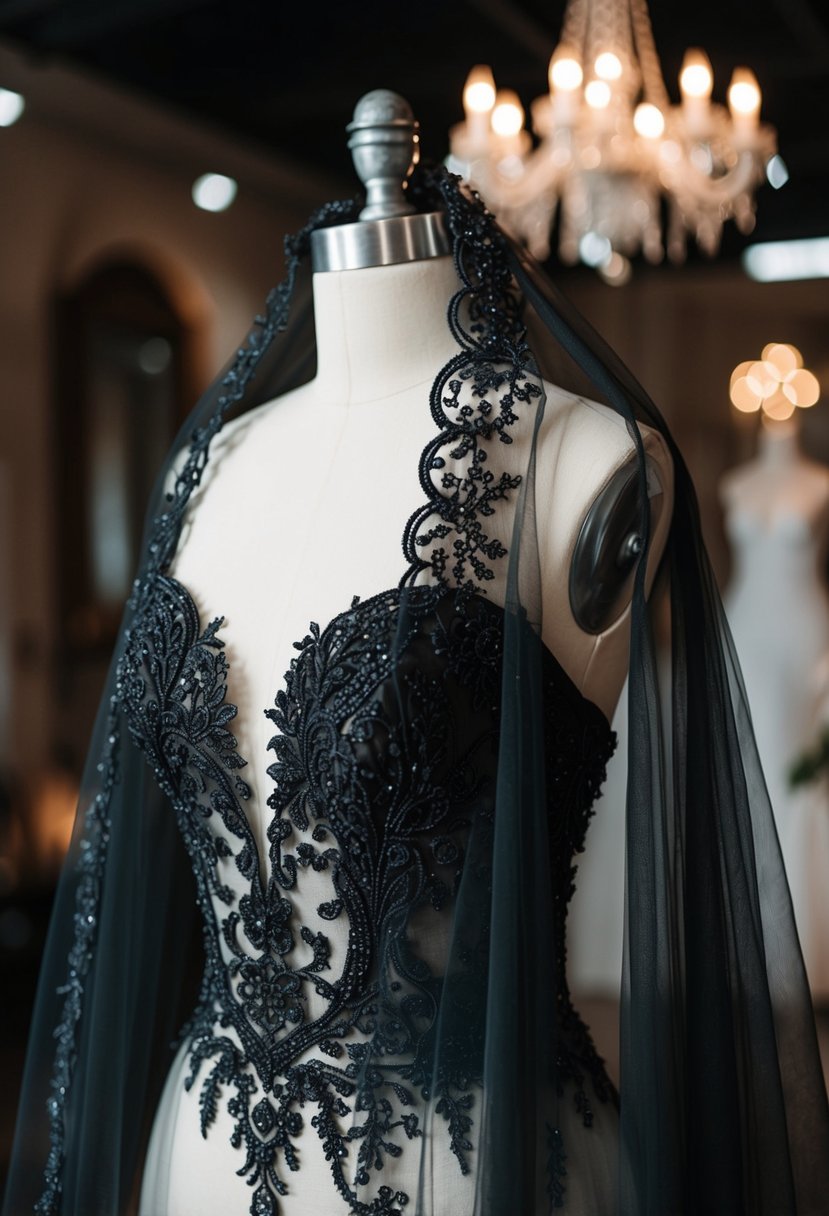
x,y
610,144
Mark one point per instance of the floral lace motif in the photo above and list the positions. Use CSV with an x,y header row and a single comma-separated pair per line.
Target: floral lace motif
x,y
384,773
384,780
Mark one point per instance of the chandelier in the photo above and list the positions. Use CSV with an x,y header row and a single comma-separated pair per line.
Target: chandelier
x,y
610,145
777,383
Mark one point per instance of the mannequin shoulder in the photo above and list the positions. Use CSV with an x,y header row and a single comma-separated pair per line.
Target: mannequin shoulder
x,y
584,445
588,516
588,503
243,444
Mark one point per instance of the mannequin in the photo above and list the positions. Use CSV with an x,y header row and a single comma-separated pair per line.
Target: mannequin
x,y
381,338
777,515
435,769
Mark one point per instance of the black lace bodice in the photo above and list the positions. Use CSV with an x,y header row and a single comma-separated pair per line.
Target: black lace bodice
x,y
321,1016
385,767
384,980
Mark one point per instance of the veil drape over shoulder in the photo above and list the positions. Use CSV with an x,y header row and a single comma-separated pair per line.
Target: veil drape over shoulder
x,y
722,1105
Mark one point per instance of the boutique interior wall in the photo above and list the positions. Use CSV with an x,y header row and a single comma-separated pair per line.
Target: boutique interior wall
x,y
91,173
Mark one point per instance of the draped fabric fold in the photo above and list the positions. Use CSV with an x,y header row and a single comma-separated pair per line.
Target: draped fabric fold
x,y
722,1105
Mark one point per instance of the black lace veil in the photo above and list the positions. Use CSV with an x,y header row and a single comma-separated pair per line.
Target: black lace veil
x,y
723,1106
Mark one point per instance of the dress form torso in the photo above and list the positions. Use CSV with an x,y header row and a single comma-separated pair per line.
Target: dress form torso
x,y
286,528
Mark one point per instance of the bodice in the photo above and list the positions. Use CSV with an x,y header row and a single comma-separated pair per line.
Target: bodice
x,y
325,960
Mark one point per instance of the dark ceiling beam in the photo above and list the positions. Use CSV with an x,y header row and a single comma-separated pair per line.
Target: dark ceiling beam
x,y
538,41
14,11
72,27
808,29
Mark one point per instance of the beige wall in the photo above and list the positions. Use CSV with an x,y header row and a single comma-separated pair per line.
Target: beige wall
x,y
89,171
682,332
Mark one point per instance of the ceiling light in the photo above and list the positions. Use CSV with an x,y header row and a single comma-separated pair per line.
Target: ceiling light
x,y
214,191
12,106
782,261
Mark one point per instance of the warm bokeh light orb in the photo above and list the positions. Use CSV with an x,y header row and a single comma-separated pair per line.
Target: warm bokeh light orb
x,y
763,378
648,120
597,94
696,78
479,91
565,73
806,387
608,66
778,407
740,371
744,92
508,115
784,357
743,397
778,383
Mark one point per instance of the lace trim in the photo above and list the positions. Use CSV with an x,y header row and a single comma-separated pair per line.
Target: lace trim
x,y
90,869
472,402
164,537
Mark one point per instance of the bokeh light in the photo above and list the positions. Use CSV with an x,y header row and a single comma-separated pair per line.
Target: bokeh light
x,y
777,383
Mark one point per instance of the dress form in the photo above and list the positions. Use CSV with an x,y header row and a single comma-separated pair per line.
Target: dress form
x,y
303,505
777,516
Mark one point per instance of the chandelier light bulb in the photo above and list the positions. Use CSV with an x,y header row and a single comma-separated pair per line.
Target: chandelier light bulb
x,y
597,94
696,78
214,191
744,92
479,90
566,73
508,115
648,120
608,108
608,66
11,107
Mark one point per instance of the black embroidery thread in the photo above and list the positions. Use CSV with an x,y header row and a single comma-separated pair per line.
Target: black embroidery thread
x,y
342,748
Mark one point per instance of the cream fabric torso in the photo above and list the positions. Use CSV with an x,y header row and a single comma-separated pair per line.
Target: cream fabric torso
x,y
259,548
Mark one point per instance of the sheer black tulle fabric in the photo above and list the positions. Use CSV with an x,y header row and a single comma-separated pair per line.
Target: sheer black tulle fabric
x,y
455,1038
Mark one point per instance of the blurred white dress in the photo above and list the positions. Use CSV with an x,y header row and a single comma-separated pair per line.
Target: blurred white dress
x,y
778,609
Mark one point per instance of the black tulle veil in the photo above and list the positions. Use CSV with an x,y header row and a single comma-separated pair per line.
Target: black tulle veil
x,y
723,1107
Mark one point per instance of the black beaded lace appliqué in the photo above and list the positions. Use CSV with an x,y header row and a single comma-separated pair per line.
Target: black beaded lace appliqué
x,y
384,781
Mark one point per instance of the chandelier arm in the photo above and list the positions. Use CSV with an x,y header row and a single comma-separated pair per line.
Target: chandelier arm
x,y
653,82
574,26
708,192
610,29
541,176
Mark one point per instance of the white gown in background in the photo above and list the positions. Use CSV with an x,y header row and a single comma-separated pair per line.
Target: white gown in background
x,y
777,520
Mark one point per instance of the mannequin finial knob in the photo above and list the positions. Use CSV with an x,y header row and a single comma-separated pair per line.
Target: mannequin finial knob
x,y
385,144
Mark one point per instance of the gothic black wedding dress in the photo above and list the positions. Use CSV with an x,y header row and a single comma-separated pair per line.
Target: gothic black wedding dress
x,y
433,769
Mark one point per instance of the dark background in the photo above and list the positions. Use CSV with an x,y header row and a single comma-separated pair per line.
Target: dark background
x,y
287,75
283,78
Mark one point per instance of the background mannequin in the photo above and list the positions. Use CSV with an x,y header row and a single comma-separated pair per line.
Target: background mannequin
x,y
777,517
